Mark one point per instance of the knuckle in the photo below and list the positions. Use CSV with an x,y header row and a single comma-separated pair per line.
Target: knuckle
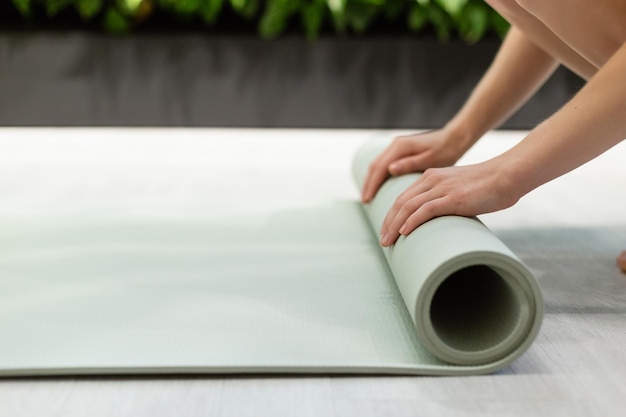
x,y
410,206
374,171
405,210
401,199
428,208
373,166
400,142
436,207
397,206
427,175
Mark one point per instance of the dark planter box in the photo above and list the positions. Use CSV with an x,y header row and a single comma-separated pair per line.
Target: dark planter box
x,y
84,79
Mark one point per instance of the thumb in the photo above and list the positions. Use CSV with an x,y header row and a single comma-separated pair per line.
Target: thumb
x,y
405,165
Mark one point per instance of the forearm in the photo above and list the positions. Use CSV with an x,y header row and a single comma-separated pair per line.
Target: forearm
x,y
517,72
591,123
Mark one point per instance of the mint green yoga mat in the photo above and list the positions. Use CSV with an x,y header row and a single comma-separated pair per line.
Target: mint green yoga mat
x,y
225,286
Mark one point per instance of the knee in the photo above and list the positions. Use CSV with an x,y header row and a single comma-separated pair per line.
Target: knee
x,y
517,10
509,9
530,6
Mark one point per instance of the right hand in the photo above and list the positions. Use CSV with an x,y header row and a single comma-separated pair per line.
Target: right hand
x,y
413,153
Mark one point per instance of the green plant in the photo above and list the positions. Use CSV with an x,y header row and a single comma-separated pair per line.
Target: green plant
x,y
468,19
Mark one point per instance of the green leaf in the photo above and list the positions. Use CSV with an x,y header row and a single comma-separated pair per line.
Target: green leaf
x,y
276,16
370,2
210,10
246,8
88,8
473,22
337,7
115,21
53,7
129,6
338,14
471,19
187,7
312,17
498,23
360,15
441,22
417,18
394,8
23,6
452,7
238,5
272,24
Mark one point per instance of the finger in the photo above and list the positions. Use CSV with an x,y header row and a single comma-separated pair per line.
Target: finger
x,y
427,211
408,164
417,188
378,170
376,175
403,213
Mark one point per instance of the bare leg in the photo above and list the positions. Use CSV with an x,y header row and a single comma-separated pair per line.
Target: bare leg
x,y
581,34
595,29
543,36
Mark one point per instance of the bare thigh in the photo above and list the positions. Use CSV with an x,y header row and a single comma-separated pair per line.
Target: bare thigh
x,y
595,29
579,33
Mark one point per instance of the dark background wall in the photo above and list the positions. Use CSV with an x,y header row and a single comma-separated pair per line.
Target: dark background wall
x,y
81,79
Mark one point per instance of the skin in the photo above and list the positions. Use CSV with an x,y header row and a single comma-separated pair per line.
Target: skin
x,y
544,34
621,260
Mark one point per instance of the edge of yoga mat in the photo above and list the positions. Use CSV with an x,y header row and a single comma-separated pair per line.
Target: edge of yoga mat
x,y
382,369
434,252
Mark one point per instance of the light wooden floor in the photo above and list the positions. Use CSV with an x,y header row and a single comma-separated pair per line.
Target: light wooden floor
x,y
568,232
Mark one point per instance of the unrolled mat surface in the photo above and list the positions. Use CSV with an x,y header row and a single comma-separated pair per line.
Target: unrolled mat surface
x,y
256,288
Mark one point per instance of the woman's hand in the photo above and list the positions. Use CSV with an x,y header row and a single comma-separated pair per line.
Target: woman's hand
x,y
413,153
464,191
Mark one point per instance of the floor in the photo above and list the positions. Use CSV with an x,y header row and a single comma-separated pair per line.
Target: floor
x,y
568,232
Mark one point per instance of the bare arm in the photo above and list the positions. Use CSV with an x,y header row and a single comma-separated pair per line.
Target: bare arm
x,y
592,122
519,69
517,72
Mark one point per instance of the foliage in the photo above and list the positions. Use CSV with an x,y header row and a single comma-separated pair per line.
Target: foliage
x,y
468,19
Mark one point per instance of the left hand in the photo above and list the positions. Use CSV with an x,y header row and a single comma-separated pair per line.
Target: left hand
x,y
464,191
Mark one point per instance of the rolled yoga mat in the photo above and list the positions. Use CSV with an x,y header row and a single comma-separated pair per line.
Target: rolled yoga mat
x,y
472,300
223,286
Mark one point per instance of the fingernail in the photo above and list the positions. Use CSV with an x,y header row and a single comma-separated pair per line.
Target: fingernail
x,y
403,229
384,240
394,166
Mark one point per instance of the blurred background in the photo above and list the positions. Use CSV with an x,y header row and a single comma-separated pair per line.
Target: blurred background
x,y
251,63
